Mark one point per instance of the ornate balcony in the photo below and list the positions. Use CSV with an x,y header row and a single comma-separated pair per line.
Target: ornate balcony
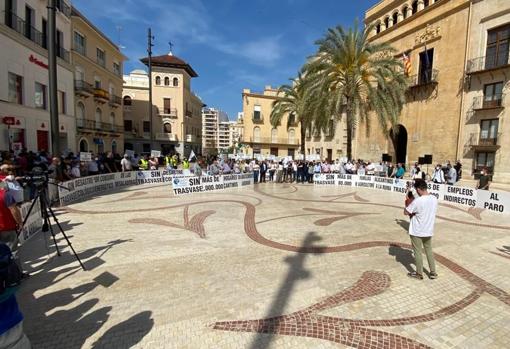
x,y
83,88
488,102
101,96
257,118
168,112
488,63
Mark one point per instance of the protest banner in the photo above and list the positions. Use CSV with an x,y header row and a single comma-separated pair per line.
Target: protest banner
x,y
493,201
155,153
85,156
189,185
459,195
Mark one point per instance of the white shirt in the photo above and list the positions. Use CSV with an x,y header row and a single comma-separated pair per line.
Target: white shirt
x,y
424,209
125,164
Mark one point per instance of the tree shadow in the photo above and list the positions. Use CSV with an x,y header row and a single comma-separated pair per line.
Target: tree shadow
x,y
297,271
67,317
127,333
403,256
403,223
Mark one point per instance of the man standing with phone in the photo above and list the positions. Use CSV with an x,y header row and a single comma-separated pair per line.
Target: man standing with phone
x,y
422,211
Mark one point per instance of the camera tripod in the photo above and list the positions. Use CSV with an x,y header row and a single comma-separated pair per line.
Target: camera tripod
x,y
47,213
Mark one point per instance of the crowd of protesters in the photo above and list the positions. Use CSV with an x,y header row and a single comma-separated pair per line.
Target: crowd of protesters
x,y
64,168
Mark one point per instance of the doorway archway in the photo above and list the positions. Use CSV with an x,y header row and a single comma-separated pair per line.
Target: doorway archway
x,y
399,140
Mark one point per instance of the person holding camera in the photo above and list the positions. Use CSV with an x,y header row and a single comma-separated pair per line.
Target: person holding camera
x,y
422,211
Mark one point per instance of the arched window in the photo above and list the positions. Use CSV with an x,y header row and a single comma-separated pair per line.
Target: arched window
x,y
167,81
167,127
405,9
395,18
158,80
99,114
127,100
176,82
80,114
292,136
84,145
414,6
387,22
426,3
256,134
100,147
112,121
114,146
274,135
378,28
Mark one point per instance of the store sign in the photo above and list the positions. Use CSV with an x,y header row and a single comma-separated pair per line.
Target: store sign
x,y
9,120
38,62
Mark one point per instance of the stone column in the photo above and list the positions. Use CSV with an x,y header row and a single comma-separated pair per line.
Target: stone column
x,y
409,12
421,5
383,26
390,22
400,17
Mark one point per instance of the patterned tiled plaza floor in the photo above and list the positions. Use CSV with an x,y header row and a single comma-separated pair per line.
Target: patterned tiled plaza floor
x,y
273,266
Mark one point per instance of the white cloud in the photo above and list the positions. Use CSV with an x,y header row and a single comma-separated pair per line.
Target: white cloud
x,y
186,22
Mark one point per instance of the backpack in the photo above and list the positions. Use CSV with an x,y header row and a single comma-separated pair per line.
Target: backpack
x,y
10,272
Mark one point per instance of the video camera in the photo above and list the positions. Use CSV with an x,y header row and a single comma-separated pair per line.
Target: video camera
x,y
38,177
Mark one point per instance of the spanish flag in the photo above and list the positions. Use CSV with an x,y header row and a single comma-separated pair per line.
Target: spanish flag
x,y
407,63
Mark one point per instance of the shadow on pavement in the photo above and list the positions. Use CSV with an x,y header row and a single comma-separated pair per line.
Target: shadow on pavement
x,y
296,272
127,333
67,317
403,223
403,256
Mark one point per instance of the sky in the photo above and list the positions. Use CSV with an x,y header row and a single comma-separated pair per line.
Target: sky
x,y
231,44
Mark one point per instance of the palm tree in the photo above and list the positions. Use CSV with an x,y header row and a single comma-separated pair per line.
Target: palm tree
x,y
294,100
353,75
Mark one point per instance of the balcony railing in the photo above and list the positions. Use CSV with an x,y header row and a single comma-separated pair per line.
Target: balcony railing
x,y
83,88
476,140
257,118
426,77
488,102
115,101
274,140
63,7
168,112
481,64
19,25
101,95
166,137
92,125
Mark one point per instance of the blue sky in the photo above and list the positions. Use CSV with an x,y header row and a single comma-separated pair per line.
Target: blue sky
x,y
232,44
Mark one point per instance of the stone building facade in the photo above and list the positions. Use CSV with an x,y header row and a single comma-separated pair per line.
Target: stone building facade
x,y
485,127
433,34
97,63
259,136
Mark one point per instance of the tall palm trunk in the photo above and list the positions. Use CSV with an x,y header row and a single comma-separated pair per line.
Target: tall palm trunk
x,y
303,136
349,120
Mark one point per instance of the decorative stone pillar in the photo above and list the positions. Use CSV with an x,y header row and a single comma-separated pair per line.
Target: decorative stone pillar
x,y
400,16
390,22
421,5
409,12
383,26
